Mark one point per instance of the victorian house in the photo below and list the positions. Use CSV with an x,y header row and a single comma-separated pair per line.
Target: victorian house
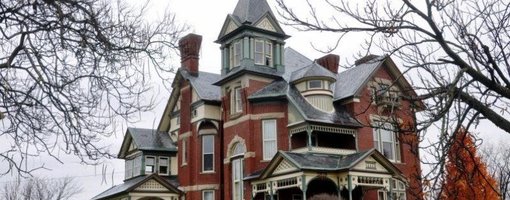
x,y
275,124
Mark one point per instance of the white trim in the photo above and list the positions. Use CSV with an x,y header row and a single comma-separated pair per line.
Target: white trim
x,y
207,191
269,140
204,153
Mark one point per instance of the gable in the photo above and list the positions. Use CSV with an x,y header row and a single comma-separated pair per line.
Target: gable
x,y
266,25
152,185
370,164
229,26
132,146
284,167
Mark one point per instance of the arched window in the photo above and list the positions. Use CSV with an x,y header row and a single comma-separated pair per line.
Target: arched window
x,y
237,156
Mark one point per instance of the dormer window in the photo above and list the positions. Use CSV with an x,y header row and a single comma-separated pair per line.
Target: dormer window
x,y
235,54
263,52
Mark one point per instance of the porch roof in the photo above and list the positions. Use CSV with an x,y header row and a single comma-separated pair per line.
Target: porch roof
x,y
311,161
170,183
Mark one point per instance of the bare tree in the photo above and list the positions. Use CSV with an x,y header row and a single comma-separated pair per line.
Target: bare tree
x,y
68,68
455,53
498,164
41,189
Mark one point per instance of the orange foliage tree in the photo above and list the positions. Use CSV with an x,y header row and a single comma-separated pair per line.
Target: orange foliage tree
x,y
466,175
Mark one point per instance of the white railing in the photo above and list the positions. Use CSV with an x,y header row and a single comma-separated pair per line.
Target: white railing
x,y
325,150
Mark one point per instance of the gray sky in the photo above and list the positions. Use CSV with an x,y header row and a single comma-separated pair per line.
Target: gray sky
x,y
205,17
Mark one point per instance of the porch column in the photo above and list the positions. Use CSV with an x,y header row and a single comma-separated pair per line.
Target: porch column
x,y
349,186
309,134
271,190
303,185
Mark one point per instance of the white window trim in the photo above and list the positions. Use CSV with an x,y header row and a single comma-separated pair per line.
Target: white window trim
x,y
379,144
154,165
264,140
234,53
203,153
240,161
264,53
207,191
167,165
237,102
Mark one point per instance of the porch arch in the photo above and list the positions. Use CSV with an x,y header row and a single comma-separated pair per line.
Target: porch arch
x,y
321,185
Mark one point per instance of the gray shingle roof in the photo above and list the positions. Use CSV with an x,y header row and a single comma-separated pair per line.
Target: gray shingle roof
x,y
151,139
203,84
251,10
129,184
312,70
350,81
273,90
235,72
294,61
310,113
333,162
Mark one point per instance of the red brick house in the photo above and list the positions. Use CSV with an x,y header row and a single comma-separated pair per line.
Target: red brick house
x,y
275,124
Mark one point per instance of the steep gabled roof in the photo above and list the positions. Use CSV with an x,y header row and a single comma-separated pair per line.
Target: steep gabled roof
x,y
169,183
203,84
147,140
350,82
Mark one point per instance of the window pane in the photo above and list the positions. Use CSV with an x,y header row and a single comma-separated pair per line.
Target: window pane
x,y
388,150
208,195
258,46
269,149
208,162
259,58
207,144
269,129
149,160
208,152
387,136
315,84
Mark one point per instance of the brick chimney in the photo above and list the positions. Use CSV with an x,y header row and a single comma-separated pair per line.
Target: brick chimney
x,y
329,62
189,46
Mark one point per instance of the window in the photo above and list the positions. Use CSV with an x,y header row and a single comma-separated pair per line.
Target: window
x,y
149,164
297,197
235,54
237,155
315,84
269,138
237,101
208,153
398,191
163,165
178,120
194,113
208,195
237,179
385,140
184,155
263,52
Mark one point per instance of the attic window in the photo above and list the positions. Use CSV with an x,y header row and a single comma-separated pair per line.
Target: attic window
x,y
315,84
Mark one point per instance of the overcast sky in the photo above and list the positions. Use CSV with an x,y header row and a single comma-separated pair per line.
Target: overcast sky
x,y
205,17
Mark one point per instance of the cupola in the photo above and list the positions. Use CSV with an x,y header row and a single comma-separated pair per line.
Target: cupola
x,y
252,39
315,83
